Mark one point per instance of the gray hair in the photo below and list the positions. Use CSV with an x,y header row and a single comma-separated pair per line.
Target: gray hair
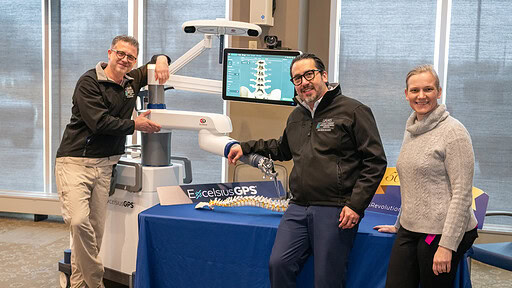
x,y
422,69
125,38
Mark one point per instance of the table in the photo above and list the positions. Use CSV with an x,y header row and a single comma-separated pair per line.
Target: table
x,y
180,246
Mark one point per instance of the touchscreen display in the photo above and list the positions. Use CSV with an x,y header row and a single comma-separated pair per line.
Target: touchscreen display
x,y
258,76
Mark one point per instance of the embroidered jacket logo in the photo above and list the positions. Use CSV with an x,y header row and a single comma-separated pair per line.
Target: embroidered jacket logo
x,y
325,125
128,92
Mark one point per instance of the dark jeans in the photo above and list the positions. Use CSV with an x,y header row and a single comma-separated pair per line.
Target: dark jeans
x,y
412,259
311,230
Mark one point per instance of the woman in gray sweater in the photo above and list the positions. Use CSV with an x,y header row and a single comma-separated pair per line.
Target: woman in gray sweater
x,y
436,225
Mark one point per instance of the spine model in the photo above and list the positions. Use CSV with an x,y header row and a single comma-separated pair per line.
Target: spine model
x,y
278,205
260,85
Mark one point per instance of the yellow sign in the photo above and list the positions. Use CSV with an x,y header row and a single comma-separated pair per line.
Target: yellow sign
x,y
476,192
390,179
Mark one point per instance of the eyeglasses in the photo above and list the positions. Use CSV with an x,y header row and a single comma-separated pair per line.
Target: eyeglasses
x,y
122,54
308,75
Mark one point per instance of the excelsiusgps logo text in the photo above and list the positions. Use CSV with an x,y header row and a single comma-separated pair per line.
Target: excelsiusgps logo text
x,y
126,204
212,192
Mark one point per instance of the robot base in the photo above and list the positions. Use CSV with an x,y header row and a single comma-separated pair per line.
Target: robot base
x,y
119,245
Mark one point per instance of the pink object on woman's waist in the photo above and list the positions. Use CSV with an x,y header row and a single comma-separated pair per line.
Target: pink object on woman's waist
x,y
430,238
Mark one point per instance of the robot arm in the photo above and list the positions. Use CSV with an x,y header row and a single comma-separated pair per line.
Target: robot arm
x,y
187,120
212,129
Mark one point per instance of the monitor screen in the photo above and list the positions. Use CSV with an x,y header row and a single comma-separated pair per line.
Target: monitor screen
x,y
261,76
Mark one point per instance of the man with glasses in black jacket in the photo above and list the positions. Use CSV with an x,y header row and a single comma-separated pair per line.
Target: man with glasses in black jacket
x,y
93,141
338,161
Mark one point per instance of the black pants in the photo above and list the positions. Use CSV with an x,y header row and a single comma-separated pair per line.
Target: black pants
x,y
412,259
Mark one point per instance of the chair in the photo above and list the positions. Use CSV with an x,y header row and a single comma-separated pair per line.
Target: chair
x,y
495,254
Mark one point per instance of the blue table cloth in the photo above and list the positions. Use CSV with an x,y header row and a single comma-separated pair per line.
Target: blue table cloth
x,y
180,246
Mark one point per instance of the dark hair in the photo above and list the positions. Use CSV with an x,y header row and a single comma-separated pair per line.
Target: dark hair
x,y
318,62
125,38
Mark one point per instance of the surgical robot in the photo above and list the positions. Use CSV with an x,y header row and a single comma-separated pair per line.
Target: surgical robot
x,y
139,177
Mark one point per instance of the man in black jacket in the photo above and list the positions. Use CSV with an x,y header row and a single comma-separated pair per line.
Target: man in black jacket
x,y
93,142
339,162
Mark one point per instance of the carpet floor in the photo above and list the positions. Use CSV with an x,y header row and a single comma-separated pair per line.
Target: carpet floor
x,y
30,251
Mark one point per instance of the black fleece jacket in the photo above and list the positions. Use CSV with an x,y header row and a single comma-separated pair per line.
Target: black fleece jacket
x,y
337,154
101,113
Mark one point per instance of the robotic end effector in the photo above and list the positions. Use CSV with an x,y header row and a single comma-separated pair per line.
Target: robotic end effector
x,y
266,165
214,142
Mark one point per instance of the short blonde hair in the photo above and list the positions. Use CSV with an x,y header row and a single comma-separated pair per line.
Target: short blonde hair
x,y
422,69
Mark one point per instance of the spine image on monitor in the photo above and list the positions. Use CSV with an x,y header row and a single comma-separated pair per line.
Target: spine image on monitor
x,y
259,85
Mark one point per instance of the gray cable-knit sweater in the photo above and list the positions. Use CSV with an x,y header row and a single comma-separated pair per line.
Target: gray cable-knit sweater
x,y
435,166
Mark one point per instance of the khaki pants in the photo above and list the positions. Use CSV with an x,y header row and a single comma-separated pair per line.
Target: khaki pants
x,y
83,185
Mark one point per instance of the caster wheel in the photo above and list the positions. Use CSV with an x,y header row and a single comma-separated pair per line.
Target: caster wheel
x,y
64,280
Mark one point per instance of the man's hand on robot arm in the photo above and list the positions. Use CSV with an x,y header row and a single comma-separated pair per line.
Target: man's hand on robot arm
x,y
161,69
235,153
142,123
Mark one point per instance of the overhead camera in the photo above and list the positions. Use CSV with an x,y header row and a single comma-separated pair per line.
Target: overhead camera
x,y
222,27
272,42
